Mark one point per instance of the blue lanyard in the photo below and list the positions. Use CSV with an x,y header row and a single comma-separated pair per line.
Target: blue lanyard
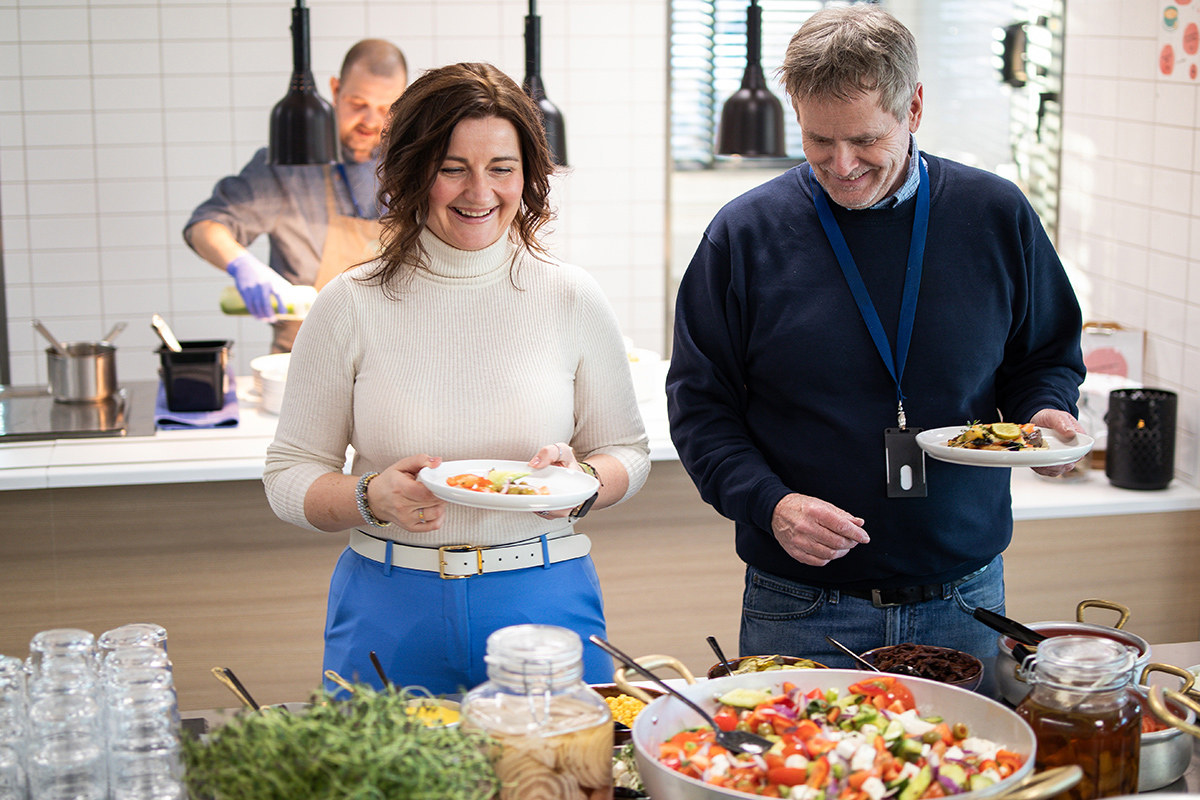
x,y
341,168
912,280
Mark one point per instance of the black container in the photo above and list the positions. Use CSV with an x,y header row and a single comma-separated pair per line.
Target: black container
x,y
195,377
1141,438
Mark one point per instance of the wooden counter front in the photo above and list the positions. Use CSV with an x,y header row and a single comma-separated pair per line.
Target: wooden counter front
x,y
237,588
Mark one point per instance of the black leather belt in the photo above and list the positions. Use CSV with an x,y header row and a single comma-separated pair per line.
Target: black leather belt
x,y
905,595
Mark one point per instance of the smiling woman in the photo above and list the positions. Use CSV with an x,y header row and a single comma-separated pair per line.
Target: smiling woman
x,y
464,343
478,188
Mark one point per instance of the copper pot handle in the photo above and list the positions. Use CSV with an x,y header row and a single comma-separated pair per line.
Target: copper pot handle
x,y
1155,698
651,663
1044,785
1110,605
1187,679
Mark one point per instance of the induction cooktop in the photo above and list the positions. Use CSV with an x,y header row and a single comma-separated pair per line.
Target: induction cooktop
x,y
30,413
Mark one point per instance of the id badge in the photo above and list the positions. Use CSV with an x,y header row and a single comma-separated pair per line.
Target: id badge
x,y
905,462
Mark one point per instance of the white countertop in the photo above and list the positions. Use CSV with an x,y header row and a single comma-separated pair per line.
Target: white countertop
x,y
230,454
189,456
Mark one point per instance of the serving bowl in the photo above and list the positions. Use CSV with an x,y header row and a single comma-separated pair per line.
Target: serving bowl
x,y
785,662
622,732
666,717
937,654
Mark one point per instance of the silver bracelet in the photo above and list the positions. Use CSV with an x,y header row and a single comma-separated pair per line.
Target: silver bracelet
x,y
360,497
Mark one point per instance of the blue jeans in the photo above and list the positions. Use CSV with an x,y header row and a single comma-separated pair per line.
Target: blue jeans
x,y
431,632
789,618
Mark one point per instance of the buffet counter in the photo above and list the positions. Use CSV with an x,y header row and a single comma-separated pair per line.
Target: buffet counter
x,y
174,528
235,454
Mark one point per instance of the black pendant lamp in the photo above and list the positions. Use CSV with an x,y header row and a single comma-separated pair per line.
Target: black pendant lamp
x,y
752,119
552,118
303,130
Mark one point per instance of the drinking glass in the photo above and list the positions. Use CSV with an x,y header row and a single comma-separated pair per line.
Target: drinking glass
x,y
68,765
135,634
62,650
143,743
12,700
14,784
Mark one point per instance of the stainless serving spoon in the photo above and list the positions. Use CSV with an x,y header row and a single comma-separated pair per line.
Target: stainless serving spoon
x,y
739,741
112,334
54,342
716,648
902,669
164,332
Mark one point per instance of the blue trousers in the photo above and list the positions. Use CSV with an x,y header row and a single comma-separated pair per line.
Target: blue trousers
x,y
789,618
432,633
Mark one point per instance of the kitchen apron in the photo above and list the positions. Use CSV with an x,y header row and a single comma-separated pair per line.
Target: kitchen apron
x,y
349,241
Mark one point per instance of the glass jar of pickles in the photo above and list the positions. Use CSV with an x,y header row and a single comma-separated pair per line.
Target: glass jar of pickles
x,y
1083,710
553,732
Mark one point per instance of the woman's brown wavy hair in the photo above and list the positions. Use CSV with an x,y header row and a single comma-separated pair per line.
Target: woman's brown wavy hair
x,y
415,141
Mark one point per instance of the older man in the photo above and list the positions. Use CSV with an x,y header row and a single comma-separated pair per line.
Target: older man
x,y
830,314
319,219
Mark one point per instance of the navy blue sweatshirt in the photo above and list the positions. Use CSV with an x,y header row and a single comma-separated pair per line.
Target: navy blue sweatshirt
x,y
776,387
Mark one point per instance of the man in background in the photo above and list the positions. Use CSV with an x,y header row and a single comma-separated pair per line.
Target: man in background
x,y
320,219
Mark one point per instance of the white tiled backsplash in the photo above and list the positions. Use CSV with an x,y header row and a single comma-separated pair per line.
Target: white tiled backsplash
x,y
118,116
1130,211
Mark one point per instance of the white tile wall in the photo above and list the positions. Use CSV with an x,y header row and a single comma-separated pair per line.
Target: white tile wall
x,y
117,116
1135,237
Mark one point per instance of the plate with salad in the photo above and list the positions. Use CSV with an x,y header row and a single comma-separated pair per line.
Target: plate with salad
x,y
1003,444
502,485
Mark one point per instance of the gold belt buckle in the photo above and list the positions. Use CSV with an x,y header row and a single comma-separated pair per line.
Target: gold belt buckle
x,y
459,548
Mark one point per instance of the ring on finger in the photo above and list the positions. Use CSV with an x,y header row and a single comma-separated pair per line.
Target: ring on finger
x,y
421,515
559,446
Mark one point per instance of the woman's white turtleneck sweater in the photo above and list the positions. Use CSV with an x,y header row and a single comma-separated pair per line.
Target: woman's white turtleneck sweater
x,y
463,365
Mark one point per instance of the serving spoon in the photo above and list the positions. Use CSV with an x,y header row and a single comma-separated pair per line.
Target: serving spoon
x,y
739,741
902,669
51,338
716,648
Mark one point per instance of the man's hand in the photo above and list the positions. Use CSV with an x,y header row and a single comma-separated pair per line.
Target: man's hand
x,y
1063,423
815,532
257,284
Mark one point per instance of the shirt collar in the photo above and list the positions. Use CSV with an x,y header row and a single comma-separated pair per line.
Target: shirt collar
x,y
911,181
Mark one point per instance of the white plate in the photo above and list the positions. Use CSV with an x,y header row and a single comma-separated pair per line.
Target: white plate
x,y
1059,452
568,487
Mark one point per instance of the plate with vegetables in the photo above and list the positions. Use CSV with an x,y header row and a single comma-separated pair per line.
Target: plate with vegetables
x,y
502,485
1003,444
839,734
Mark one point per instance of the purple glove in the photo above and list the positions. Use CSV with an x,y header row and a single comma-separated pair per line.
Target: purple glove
x,y
257,284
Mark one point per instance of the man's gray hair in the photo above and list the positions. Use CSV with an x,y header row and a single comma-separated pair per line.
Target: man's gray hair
x,y
842,52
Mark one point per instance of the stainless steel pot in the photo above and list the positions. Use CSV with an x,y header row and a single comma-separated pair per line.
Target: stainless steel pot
x,y
1166,754
86,374
1012,684
666,717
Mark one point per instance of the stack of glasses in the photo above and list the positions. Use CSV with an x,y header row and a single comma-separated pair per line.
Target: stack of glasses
x,y
83,719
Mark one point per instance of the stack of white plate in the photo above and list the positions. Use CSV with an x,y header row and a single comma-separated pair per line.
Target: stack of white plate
x,y
274,362
273,382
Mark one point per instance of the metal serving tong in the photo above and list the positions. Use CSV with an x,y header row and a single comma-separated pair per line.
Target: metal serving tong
x,y
226,676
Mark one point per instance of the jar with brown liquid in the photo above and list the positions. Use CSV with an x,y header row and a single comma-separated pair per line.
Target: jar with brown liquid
x,y
1083,710
553,733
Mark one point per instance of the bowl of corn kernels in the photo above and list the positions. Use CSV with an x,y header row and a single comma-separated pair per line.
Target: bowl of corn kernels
x,y
624,708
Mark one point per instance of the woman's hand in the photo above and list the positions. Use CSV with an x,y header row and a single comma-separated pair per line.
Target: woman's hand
x,y
558,454
396,496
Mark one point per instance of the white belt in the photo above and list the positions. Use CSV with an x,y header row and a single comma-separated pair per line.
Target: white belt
x,y
464,560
